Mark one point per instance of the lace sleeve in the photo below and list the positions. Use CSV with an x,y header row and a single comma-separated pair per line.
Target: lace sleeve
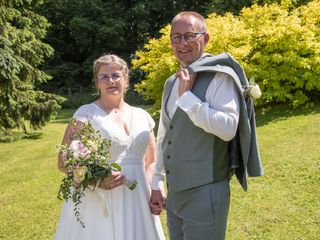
x,y
150,120
83,113
144,115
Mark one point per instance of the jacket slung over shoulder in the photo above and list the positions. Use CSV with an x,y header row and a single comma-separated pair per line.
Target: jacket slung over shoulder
x,y
244,150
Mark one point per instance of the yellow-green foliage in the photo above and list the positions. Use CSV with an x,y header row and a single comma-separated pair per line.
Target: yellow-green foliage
x,y
276,46
228,34
284,56
158,62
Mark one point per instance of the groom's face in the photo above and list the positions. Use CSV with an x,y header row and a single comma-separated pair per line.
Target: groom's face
x,y
185,51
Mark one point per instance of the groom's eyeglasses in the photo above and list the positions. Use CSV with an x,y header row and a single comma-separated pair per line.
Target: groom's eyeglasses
x,y
189,37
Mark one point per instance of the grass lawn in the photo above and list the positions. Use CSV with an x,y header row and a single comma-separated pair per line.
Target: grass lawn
x,y
282,205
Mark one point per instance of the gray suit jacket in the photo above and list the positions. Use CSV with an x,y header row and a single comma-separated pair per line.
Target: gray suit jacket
x,y
244,151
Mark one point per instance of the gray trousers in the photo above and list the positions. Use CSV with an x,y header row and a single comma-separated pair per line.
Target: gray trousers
x,y
199,213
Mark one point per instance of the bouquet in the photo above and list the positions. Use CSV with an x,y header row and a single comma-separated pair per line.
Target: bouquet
x,y
86,159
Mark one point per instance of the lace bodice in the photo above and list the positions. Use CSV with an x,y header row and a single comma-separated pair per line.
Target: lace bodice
x,y
124,148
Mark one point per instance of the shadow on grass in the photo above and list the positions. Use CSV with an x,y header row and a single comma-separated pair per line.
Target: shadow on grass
x,y
64,116
15,136
281,112
35,135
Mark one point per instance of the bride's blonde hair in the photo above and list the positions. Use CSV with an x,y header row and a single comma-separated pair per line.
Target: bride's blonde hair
x,y
110,59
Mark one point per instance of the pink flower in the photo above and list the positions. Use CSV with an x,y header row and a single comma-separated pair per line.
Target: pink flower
x,y
85,152
79,149
64,156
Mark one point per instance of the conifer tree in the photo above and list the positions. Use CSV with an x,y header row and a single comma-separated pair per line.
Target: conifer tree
x,y
21,54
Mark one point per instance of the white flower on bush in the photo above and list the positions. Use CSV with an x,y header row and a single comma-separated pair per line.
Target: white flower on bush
x,y
79,149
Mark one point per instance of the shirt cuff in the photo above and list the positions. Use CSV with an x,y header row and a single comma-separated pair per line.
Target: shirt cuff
x,y
187,101
157,184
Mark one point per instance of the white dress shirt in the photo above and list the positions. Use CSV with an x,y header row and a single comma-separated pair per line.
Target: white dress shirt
x,y
218,115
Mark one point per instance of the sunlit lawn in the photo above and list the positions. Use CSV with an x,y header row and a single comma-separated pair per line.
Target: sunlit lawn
x,y
282,205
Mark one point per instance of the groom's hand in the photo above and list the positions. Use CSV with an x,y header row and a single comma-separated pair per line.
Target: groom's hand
x,y
186,80
157,202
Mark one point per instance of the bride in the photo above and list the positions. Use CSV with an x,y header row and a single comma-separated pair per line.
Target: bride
x,y
113,211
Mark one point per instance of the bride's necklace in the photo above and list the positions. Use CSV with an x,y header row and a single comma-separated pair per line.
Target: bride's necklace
x,y
124,110
115,110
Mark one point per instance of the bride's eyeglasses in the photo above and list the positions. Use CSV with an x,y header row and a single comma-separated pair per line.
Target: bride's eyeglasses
x,y
114,77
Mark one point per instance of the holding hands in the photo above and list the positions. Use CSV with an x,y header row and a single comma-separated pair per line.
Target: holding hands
x,y
157,202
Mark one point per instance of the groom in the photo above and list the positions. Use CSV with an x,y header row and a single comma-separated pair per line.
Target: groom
x,y
202,111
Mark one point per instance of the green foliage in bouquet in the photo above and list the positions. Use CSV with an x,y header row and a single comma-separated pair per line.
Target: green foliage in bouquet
x,y
86,159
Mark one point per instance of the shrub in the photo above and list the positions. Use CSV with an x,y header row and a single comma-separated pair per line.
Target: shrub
x,y
277,46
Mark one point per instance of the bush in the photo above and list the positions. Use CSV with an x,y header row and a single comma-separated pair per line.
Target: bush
x,y
277,46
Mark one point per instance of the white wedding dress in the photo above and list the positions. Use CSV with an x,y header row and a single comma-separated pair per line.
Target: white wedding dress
x,y
120,213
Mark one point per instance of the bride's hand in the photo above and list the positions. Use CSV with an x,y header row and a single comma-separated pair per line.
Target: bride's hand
x,y
113,181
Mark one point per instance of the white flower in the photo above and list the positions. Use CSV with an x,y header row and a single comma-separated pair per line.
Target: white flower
x,y
79,173
74,148
92,145
255,91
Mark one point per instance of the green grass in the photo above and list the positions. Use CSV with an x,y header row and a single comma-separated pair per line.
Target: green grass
x,y
282,205
285,203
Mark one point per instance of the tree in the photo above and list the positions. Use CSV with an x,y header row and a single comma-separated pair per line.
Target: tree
x,y
284,55
221,6
21,54
276,46
291,3
84,29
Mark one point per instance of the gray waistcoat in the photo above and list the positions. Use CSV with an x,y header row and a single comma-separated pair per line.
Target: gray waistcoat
x,y
191,156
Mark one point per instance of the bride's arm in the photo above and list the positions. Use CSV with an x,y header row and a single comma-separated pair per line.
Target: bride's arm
x,y
150,157
157,199
67,139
